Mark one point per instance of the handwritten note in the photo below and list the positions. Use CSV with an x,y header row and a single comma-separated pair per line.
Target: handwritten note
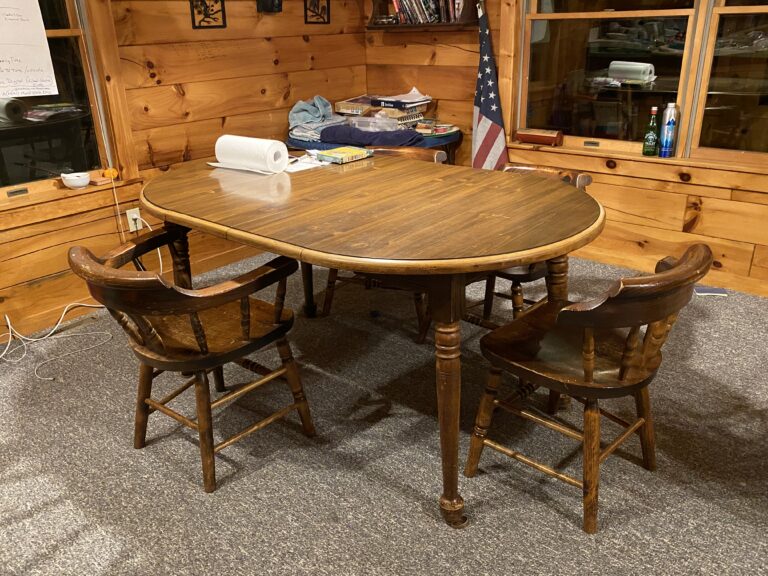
x,y
25,60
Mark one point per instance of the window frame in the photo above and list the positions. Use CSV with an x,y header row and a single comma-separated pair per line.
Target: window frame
x,y
686,88
705,153
76,32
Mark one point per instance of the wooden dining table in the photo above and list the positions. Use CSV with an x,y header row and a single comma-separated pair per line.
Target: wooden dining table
x,y
427,227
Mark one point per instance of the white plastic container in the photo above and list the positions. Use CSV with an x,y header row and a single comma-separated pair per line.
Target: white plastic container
x,y
374,123
668,136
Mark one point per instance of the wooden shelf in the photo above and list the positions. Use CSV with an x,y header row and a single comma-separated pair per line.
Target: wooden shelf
x,y
384,9
436,27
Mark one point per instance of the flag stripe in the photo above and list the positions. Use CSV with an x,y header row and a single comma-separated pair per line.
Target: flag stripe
x,y
487,145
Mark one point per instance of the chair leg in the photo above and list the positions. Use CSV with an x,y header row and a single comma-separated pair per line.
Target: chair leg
x,y
517,299
205,430
647,437
218,379
142,410
423,316
554,402
591,473
333,274
482,422
490,287
294,381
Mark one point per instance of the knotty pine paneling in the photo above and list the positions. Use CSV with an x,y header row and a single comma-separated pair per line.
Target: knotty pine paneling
x,y
640,247
190,101
640,206
168,21
156,64
760,263
742,221
191,140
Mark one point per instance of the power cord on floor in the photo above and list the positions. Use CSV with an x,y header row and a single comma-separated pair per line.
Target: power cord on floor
x,y
12,332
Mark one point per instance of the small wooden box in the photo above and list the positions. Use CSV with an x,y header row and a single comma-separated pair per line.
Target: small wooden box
x,y
536,136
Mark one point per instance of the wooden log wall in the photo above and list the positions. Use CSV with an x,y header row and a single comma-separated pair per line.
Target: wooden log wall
x,y
186,87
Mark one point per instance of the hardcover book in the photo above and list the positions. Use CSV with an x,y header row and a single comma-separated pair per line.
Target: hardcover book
x,y
343,154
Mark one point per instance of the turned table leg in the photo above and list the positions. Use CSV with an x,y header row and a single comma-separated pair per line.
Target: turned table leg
x,y
447,303
179,248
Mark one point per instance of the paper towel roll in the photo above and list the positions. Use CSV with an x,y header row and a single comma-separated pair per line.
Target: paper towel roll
x,y
272,189
12,109
256,154
631,71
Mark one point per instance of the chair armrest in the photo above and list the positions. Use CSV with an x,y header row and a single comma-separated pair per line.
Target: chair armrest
x,y
411,152
137,247
242,286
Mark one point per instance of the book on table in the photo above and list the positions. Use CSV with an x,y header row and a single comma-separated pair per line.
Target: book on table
x,y
343,154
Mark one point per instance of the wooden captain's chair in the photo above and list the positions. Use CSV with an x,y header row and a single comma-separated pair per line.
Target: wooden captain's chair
x,y
520,275
591,351
176,329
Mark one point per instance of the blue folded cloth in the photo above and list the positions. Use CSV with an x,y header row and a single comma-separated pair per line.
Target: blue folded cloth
x,y
356,137
305,111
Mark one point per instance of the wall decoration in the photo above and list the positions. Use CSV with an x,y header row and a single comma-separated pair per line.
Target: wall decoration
x,y
208,13
317,11
269,5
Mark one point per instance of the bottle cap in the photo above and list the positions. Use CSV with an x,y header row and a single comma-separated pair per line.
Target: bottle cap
x,y
654,109
671,105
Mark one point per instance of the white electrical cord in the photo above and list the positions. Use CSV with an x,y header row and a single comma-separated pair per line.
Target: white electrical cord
x,y
24,339
159,255
12,332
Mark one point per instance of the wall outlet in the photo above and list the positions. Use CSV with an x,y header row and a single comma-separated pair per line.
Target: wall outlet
x,y
134,219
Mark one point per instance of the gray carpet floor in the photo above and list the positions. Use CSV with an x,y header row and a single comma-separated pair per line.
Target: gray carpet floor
x,y
361,497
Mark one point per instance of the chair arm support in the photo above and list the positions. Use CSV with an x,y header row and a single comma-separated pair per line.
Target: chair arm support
x,y
244,285
137,247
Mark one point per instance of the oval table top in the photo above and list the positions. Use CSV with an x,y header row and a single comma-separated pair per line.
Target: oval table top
x,y
384,215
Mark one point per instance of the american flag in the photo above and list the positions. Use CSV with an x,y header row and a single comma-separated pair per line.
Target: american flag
x,y
489,149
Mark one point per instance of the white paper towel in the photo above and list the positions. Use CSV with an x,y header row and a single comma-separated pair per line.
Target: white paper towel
x,y
631,71
254,154
12,109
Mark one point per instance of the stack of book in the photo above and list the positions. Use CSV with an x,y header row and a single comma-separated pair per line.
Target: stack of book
x,y
427,11
407,108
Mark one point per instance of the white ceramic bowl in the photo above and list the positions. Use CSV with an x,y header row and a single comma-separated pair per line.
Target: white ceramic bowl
x,y
76,179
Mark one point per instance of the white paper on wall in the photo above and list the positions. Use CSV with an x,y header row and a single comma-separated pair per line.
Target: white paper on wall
x,y
25,60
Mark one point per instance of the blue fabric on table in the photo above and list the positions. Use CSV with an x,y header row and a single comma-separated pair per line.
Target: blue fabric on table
x,y
355,137
305,111
311,130
429,142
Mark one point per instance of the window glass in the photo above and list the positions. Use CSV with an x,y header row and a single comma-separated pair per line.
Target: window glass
x,y
736,112
746,3
580,81
551,6
56,133
54,13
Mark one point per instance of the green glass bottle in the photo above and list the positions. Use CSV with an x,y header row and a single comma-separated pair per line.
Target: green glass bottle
x,y
651,138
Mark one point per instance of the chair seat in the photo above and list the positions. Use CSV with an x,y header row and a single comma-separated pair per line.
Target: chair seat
x,y
527,273
535,348
224,337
